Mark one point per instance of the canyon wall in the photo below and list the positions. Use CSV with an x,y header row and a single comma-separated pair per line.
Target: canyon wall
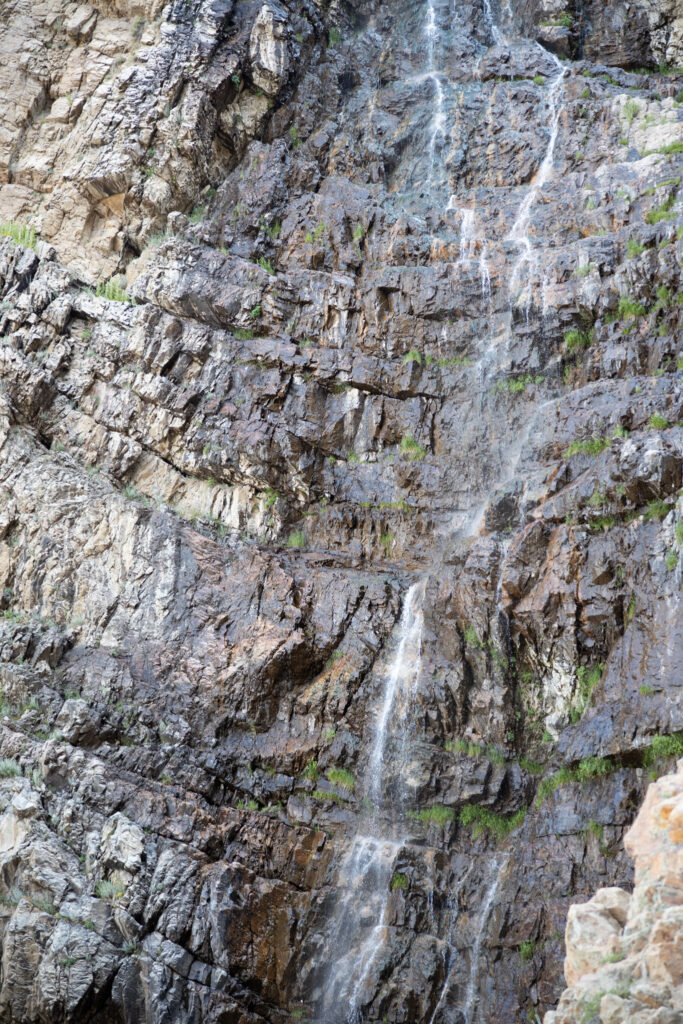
x,y
302,306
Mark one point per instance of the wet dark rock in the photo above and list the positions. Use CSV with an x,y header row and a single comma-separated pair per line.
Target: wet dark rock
x,y
344,372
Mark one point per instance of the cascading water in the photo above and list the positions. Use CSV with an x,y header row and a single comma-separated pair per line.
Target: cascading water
x,y
365,875
469,243
358,941
400,684
519,233
364,880
438,126
491,891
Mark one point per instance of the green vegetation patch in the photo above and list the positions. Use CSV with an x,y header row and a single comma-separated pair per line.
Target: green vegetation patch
x,y
435,815
342,778
22,234
516,385
113,291
481,820
663,212
411,448
592,446
8,768
577,340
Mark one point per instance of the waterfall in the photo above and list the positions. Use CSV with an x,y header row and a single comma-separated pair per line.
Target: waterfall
x,y
470,241
519,231
358,941
497,35
366,872
365,880
402,678
482,923
438,125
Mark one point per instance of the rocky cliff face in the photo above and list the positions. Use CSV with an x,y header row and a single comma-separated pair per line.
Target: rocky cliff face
x,y
341,433
624,952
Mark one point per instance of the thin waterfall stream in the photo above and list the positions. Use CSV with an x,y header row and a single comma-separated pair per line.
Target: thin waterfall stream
x,y
358,937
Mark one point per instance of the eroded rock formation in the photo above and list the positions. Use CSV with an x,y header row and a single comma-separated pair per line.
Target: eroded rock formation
x,y
625,951
301,304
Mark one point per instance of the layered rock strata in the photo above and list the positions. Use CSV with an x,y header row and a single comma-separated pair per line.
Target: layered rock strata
x,y
300,304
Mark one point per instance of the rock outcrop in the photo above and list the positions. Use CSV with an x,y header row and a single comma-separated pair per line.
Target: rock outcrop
x,y
301,305
624,959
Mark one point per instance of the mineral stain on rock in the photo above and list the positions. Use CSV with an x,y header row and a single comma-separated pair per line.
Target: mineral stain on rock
x,y
341,453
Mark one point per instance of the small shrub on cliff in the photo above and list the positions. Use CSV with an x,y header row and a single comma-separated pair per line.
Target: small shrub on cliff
x,y
109,890
470,637
587,679
22,234
672,147
657,509
552,782
8,768
631,109
436,815
320,794
671,559
634,248
576,340
630,307
592,767
593,446
662,212
342,778
516,385
664,746
310,771
657,422
481,820
112,290
265,264
399,881
335,36
296,539
411,448
527,949
412,357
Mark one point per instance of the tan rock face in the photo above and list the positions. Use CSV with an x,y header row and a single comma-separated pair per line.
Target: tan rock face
x,y
594,931
624,954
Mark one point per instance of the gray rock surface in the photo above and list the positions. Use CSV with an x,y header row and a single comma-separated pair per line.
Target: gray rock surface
x,y
292,333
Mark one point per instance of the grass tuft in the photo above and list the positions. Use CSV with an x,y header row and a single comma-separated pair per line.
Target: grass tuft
x,y
593,446
481,820
411,448
435,815
9,769
113,291
22,234
342,778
